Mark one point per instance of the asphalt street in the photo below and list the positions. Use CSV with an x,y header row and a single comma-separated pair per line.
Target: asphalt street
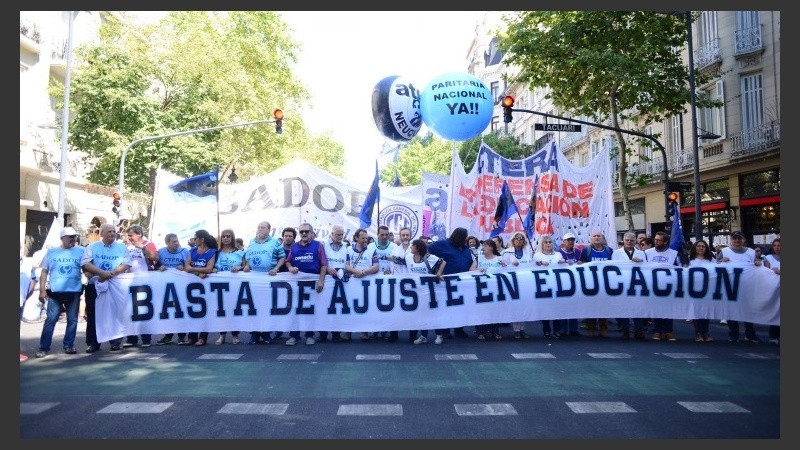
x,y
571,388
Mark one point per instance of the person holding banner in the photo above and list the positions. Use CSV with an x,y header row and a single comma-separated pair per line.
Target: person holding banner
x,y
629,252
418,260
571,255
596,251
518,253
102,259
737,252
547,256
361,262
264,254
172,256
307,256
456,254
229,259
141,256
661,253
384,250
700,255
488,260
399,265
201,262
336,252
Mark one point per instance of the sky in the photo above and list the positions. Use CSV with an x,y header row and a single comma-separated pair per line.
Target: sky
x,y
345,54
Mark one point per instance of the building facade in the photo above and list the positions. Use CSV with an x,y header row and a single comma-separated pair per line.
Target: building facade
x,y
739,152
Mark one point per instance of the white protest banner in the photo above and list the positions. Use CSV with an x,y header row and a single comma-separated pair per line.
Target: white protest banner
x,y
174,301
297,192
436,191
568,198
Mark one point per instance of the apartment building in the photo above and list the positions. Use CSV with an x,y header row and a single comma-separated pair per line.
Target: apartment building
x,y
739,148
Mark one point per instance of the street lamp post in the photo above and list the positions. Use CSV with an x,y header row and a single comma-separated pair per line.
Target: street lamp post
x,y
121,189
665,171
698,226
62,174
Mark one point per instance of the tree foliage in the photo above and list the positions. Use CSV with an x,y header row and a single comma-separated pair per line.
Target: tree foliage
x,y
189,71
608,65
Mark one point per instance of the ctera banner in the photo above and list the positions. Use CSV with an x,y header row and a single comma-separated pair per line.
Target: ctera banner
x,y
174,301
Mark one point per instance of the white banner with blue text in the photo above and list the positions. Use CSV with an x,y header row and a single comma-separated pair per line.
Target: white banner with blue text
x,y
174,301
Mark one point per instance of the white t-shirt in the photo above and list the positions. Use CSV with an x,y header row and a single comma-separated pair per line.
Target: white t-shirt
x,y
420,267
399,261
747,256
621,255
667,256
544,259
774,263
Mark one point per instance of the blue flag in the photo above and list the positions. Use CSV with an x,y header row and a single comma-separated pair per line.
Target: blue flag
x,y
505,209
527,223
198,185
373,197
676,236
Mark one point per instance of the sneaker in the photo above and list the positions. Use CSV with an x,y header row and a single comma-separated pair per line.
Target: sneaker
x,y
92,348
546,336
310,340
220,340
708,338
253,340
699,338
439,339
656,336
723,322
266,340
235,340
164,341
670,336
775,341
421,340
146,344
291,341
556,335
752,340
114,348
128,344
41,354
733,340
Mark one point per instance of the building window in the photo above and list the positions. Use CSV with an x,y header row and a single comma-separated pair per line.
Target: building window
x,y
495,124
495,87
752,101
757,184
674,129
712,120
637,206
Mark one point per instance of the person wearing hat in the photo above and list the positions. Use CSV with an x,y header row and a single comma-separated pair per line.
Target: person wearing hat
x,y
738,252
571,256
61,271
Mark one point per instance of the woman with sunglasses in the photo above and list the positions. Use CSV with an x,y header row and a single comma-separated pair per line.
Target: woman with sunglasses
x,y
229,259
519,252
201,262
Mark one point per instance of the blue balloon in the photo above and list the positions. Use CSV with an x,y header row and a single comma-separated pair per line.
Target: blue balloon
x,y
456,106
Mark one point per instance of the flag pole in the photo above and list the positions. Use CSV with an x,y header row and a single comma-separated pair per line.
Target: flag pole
x,y
378,201
216,170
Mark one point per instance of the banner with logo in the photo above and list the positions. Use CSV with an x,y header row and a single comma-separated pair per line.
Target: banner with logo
x,y
436,191
297,192
567,198
174,301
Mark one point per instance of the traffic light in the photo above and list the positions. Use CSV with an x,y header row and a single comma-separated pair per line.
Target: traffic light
x,y
116,202
673,200
508,103
278,115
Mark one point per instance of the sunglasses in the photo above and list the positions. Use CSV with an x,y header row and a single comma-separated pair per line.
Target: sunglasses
x,y
304,231
227,236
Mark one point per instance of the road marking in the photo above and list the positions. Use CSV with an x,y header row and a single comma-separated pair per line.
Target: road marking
x,y
610,355
300,356
221,356
685,355
377,357
759,355
713,407
370,410
486,409
36,408
533,355
134,356
599,407
135,408
272,409
454,357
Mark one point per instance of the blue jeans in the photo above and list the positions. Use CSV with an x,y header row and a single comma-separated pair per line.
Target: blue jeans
x,y
71,301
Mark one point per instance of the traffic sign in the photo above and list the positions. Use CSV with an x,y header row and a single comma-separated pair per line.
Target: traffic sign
x,y
556,127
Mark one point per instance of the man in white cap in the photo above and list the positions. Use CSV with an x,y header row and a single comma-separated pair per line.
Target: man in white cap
x,y
61,284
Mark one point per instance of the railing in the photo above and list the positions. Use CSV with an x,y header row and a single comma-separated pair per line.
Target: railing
x,y
756,140
684,160
748,40
571,138
708,54
30,29
652,167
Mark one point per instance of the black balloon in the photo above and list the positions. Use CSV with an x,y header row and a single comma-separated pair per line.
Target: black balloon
x,y
395,108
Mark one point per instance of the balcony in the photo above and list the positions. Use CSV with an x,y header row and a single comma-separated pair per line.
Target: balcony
x,y
748,40
707,55
30,36
570,139
756,140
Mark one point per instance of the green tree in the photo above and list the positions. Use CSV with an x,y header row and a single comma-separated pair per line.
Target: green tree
x,y
608,65
190,70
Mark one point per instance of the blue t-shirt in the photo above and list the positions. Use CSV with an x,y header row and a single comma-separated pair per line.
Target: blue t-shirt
x,y
172,260
457,260
226,260
201,260
64,268
263,256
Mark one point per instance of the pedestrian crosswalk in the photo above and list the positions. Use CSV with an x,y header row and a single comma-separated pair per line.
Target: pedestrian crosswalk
x,y
391,409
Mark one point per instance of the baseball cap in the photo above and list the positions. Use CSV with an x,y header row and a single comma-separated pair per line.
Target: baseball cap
x,y
736,234
68,231
568,236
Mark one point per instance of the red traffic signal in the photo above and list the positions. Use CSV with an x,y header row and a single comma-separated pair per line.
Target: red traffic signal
x,y
508,101
673,197
116,197
278,115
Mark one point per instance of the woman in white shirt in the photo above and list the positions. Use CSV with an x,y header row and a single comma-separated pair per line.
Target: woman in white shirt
x,y
519,252
700,255
488,259
549,257
419,261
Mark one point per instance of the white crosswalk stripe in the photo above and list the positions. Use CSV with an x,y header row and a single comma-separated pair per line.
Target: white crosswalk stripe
x,y
713,407
36,408
533,355
370,410
610,355
456,357
377,357
272,409
485,409
135,408
599,407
